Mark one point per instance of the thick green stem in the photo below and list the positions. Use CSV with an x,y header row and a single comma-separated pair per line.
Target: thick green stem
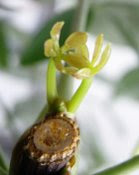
x,y
123,168
79,22
79,95
51,82
65,86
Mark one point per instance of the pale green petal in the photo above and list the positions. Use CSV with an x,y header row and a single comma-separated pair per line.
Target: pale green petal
x,y
84,51
49,48
76,44
59,65
104,58
76,60
76,39
71,70
66,70
56,30
81,50
83,73
98,47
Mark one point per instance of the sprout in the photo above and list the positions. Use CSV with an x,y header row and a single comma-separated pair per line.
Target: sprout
x,y
73,57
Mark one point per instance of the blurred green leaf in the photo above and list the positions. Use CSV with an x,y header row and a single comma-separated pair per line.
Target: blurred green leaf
x,y
34,52
128,33
2,162
129,84
90,17
90,149
3,46
136,150
3,172
23,110
102,18
118,20
6,8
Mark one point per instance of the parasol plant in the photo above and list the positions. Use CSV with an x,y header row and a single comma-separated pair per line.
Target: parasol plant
x,y
50,146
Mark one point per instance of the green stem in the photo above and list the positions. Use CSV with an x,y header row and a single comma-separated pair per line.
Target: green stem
x,y
51,82
65,86
79,22
79,95
123,168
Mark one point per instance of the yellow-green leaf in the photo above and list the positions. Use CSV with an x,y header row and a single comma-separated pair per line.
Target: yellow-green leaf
x,y
49,48
83,73
97,49
81,50
84,51
76,60
104,58
76,39
59,65
56,30
71,70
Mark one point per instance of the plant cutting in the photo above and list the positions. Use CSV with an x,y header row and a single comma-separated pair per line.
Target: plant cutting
x,y
50,146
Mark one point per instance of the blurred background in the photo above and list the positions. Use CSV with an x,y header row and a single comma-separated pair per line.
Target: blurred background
x,y
109,115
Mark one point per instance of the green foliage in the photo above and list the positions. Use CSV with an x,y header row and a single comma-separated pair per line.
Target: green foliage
x,y
118,20
122,29
3,46
23,109
102,18
3,167
90,17
34,52
129,84
3,172
124,168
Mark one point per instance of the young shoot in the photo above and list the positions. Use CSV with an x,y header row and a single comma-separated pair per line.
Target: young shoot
x,y
73,59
